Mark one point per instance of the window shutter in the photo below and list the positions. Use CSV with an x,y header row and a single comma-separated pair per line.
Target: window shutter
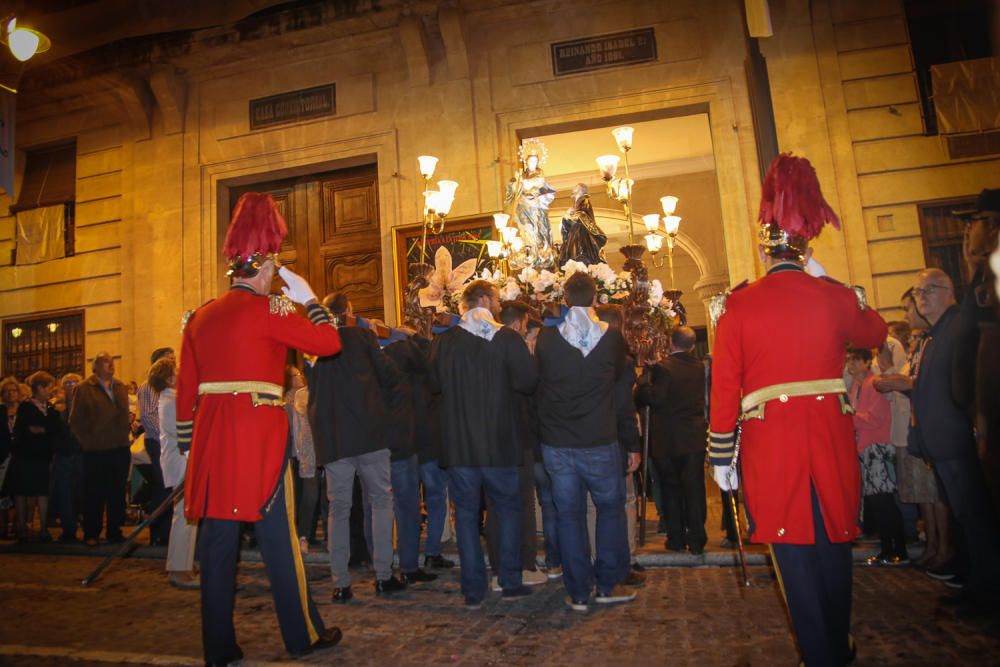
x,y
49,178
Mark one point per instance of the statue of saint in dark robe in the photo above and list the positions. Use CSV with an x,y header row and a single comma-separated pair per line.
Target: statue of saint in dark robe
x,y
582,239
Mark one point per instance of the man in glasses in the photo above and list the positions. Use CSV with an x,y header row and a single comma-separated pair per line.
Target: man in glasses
x,y
942,434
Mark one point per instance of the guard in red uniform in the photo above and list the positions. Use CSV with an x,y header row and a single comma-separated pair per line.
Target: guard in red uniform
x,y
779,403
229,410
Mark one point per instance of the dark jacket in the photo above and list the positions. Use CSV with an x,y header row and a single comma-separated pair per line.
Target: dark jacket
x,y
628,424
576,394
347,410
405,402
37,446
942,428
479,380
98,422
675,394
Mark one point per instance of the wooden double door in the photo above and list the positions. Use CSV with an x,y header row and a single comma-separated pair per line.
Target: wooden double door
x,y
333,233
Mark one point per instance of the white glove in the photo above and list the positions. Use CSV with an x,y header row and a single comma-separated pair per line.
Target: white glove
x,y
725,477
298,289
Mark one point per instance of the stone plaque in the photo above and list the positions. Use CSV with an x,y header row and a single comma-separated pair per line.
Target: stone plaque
x,y
589,53
294,106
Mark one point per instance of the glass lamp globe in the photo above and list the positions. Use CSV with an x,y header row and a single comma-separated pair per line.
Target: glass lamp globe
x,y
608,164
654,242
652,221
493,248
427,165
623,137
669,204
671,223
500,220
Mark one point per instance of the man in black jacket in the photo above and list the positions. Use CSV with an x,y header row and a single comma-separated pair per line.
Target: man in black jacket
x,y
580,363
347,413
941,434
478,366
409,355
675,391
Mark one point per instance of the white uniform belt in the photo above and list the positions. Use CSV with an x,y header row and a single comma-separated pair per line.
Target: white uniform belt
x,y
262,394
240,387
752,404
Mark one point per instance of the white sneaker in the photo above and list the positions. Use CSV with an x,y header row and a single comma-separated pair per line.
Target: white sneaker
x,y
495,585
553,572
578,605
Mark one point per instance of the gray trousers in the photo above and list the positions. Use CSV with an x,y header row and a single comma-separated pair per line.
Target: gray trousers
x,y
374,470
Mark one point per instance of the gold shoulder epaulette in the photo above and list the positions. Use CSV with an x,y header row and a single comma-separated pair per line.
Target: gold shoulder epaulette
x,y
717,303
280,304
185,318
859,292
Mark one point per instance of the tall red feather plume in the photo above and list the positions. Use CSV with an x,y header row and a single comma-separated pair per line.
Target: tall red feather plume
x,y
791,198
256,227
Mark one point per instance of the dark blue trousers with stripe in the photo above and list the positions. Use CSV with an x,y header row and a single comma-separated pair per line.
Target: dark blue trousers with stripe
x,y
219,541
816,581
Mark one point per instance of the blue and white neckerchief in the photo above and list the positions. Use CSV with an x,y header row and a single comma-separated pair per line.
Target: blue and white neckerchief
x,y
581,329
480,322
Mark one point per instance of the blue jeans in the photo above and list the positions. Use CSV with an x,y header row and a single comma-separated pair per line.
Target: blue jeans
x,y
67,480
543,484
406,507
436,500
574,472
501,484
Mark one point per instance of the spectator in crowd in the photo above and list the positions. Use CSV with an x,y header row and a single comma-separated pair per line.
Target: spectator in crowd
x,y
100,422
303,454
433,479
942,434
10,395
67,466
515,315
675,391
347,415
628,438
162,381
148,402
872,429
409,356
915,480
478,367
37,429
580,363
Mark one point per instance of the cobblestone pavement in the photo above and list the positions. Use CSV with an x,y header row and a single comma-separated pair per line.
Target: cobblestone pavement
x,y
696,616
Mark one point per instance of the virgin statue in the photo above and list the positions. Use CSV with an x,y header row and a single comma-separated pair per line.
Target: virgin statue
x,y
532,197
583,240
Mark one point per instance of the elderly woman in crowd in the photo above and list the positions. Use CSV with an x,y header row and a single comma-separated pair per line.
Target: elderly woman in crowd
x,y
37,431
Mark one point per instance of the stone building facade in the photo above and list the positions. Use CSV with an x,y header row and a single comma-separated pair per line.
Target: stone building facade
x,y
165,139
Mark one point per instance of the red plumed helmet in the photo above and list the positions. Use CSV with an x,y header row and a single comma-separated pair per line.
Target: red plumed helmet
x,y
256,228
792,200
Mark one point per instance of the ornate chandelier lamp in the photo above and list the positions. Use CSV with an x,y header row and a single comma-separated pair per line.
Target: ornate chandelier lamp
x,y
509,243
436,206
654,239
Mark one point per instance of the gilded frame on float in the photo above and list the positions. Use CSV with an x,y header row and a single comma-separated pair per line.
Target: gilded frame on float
x,y
464,237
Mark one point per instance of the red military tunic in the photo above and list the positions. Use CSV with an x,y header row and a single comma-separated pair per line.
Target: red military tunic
x,y
238,450
790,327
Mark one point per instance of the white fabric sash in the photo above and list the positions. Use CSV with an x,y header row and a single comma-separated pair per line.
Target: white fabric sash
x,y
480,322
582,329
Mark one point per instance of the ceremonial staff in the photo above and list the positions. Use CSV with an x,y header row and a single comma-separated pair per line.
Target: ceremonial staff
x,y
736,512
645,475
127,544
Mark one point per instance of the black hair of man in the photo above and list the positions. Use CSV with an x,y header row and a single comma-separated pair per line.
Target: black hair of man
x,y
513,311
580,290
683,338
861,353
159,353
475,291
337,302
534,323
